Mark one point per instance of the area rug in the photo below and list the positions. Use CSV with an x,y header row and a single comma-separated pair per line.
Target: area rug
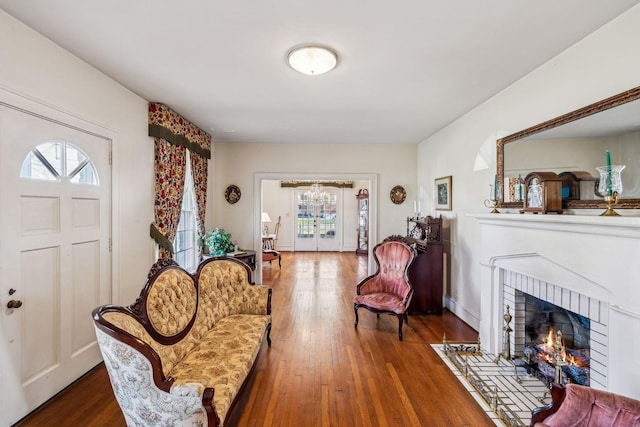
x,y
505,392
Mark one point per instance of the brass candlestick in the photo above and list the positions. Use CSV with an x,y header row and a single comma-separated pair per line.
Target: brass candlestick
x,y
492,204
610,186
611,201
494,199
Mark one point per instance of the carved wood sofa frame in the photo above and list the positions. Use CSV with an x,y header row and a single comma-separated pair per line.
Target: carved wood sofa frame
x,y
148,341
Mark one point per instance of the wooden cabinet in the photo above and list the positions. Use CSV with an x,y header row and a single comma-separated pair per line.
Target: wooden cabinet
x,y
425,275
426,272
363,222
246,256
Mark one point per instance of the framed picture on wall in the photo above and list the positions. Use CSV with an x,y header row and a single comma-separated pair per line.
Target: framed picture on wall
x,y
443,193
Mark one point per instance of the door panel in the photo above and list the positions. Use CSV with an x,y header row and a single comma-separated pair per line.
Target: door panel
x,y
39,291
54,256
328,229
86,292
317,222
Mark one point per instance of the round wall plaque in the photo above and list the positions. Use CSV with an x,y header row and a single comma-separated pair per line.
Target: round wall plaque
x,y
232,194
398,194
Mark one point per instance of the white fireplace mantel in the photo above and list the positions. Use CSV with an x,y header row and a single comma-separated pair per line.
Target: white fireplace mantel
x,y
590,255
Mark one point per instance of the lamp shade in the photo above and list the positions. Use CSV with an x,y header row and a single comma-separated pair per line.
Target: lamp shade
x,y
265,217
312,60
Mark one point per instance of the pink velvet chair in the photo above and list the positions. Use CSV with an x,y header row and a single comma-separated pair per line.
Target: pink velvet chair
x,y
579,406
388,290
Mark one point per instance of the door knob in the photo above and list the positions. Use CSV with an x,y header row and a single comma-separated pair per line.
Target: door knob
x,y
14,304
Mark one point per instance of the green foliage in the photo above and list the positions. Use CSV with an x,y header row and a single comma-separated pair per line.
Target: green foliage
x,y
219,242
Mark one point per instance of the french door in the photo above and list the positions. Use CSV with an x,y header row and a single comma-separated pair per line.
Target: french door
x,y
317,221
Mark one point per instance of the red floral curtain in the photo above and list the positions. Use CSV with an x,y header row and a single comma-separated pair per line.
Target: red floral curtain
x,y
199,170
173,136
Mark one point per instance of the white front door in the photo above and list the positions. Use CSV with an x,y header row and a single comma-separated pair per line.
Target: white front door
x,y
55,259
317,222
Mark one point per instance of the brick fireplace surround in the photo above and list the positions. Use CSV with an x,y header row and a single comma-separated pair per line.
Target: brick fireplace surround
x,y
587,264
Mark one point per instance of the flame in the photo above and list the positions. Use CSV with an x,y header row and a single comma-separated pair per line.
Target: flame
x,y
549,352
547,343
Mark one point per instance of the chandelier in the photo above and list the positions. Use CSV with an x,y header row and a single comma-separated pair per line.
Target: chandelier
x,y
316,193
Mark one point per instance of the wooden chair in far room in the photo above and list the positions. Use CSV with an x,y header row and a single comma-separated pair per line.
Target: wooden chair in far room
x,y
388,290
269,252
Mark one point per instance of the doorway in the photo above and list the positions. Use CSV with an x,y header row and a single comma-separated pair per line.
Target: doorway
x,y
371,180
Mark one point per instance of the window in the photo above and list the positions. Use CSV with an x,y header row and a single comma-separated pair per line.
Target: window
x,y
57,160
185,245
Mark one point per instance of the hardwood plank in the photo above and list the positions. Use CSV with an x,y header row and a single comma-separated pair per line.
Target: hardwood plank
x,y
320,370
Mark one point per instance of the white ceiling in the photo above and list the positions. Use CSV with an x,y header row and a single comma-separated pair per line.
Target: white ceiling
x,y
406,69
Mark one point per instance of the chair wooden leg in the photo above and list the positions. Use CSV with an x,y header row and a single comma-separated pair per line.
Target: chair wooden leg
x,y
355,308
400,319
269,335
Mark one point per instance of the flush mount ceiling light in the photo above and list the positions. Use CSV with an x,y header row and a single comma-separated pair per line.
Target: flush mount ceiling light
x,y
312,60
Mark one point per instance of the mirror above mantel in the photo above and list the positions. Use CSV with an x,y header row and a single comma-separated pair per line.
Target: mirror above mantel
x,y
573,145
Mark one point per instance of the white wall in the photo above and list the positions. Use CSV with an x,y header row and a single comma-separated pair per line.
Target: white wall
x,y
601,65
39,70
394,164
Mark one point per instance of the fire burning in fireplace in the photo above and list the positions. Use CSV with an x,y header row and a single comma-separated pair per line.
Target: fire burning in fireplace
x,y
554,341
556,363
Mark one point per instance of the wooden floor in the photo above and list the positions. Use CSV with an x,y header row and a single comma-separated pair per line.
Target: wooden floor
x,y
320,370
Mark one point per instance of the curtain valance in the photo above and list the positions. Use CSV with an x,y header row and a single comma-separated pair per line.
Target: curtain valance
x,y
172,127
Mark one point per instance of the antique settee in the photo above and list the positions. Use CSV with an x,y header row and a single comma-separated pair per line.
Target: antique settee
x,y
181,354
579,406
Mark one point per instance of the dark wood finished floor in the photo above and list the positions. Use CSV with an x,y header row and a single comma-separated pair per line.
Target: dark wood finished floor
x,y
320,371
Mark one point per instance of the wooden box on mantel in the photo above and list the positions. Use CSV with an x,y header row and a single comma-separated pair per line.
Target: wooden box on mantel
x,y
580,185
542,193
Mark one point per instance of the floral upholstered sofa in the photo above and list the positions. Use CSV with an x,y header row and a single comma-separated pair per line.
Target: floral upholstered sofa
x,y
181,354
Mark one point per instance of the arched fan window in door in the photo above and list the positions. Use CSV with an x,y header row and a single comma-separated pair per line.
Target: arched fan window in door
x,y
58,160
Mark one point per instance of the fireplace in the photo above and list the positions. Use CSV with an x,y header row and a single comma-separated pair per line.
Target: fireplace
x,y
539,306
584,264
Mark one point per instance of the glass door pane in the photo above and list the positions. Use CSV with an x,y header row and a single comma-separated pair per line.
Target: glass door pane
x,y
305,223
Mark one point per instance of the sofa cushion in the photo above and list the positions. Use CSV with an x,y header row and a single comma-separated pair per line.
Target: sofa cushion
x,y
381,301
169,354
222,359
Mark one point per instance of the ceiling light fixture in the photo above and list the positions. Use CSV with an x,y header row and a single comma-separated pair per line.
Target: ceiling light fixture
x,y
312,60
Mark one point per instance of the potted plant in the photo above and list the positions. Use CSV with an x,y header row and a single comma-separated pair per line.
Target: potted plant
x,y
219,242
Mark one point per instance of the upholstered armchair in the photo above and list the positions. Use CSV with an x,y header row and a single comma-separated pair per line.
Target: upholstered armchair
x,y
388,290
575,405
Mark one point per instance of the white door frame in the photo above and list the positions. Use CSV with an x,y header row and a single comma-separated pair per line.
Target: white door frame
x,y
259,177
46,112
